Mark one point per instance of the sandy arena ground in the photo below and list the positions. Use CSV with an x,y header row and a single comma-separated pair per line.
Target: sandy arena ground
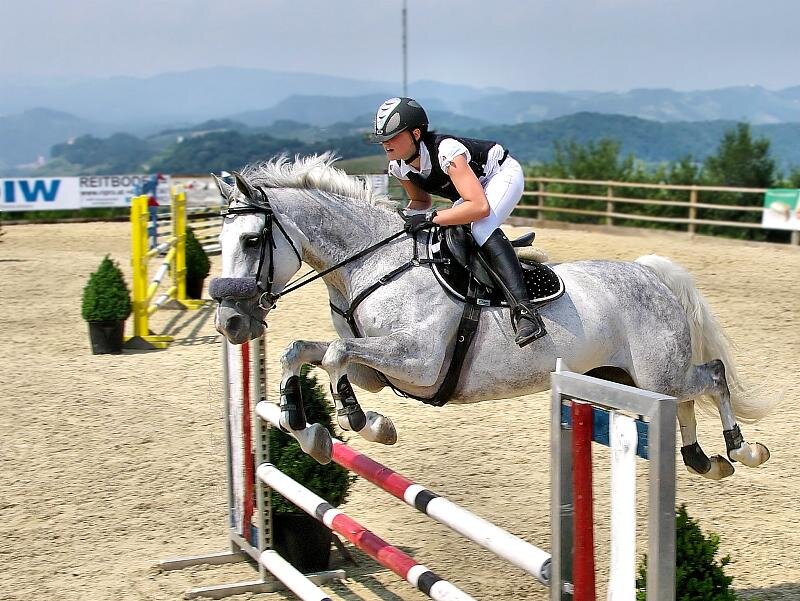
x,y
110,463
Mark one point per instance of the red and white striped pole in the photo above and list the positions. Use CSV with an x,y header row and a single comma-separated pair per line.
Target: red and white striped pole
x,y
502,543
403,565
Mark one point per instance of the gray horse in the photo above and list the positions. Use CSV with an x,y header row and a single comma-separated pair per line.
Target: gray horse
x,y
643,322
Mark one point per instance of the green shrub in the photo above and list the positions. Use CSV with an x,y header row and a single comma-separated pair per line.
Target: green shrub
x,y
106,296
698,576
197,264
331,482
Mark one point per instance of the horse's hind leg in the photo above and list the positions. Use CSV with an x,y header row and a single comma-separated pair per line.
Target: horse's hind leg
x,y
750,454
694,457
709,378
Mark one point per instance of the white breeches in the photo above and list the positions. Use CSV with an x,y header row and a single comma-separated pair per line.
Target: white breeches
x,y
503,191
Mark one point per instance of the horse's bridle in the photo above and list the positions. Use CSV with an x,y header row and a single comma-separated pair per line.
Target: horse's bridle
x,y
245,288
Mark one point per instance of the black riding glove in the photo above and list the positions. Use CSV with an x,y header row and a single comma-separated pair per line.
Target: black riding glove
x,y
418,222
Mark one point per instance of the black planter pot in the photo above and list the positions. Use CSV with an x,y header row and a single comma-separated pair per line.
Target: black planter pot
x,y
106,336
194,288
302,540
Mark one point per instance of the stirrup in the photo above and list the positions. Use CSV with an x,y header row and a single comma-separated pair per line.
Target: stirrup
x,y
532,316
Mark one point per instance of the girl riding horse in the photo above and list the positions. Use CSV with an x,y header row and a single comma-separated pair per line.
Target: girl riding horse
x,y
484,182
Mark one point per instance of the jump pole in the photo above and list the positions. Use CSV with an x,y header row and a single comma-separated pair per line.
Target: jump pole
x,y
388,556
144,290
502,543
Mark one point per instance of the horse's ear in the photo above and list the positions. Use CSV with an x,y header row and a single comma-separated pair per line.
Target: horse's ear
x,y
225,189
244,186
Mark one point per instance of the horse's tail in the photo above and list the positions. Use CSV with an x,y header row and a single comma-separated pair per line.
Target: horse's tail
x,y
709,341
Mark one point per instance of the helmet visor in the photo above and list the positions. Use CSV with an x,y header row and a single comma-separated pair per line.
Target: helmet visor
x,y
380,138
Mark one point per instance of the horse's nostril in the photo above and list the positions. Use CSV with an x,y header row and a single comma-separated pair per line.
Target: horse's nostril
x,y
234,323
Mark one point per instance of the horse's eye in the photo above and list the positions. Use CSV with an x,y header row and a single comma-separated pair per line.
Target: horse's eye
x,y
251,242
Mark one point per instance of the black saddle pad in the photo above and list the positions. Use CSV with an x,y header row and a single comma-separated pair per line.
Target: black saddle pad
x,y
543,283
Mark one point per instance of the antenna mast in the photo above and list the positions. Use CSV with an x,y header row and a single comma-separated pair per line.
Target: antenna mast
x,y
405,53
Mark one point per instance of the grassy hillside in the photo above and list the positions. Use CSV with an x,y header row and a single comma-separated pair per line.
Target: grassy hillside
x,y
369,164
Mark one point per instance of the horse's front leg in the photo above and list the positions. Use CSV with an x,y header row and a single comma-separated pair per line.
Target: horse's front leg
x,y
394,356
314,439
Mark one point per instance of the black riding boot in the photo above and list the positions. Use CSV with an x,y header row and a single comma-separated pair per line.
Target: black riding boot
x,y
507,271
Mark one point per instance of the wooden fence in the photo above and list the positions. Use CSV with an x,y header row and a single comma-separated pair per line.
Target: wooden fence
x,y
612,194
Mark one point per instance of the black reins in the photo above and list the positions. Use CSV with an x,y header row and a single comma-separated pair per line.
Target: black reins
x,y
268,298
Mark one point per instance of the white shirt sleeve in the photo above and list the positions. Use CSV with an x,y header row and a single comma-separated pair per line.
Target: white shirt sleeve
x,y
449,149
396,171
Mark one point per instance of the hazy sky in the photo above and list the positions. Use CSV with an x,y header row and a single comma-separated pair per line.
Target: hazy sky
x,y
526,45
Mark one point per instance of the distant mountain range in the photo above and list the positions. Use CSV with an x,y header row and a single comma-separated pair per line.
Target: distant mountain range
x,y
223,144
647,140
316,107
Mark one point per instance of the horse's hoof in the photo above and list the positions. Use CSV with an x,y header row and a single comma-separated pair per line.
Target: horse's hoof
x,y
316,441
750,454
379,429
720,468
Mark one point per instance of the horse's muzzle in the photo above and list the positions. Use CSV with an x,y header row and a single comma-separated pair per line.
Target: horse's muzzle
x,y
236,326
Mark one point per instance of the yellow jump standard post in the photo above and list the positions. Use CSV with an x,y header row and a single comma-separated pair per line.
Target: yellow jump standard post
x,y
174,262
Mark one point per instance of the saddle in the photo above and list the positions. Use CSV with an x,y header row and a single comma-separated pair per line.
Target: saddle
x,y
460,269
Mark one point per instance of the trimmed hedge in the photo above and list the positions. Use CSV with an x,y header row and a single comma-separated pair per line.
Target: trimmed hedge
x,y
106,296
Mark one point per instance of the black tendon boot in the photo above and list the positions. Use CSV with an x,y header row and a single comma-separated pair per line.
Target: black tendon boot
x,y
507,272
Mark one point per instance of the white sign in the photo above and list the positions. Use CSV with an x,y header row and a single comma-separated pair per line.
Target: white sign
x,y
117,190
380,183
70,193
39,194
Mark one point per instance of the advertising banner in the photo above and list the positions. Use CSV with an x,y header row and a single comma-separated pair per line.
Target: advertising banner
x,y
85,192
117,190
39,194
781,209
380,182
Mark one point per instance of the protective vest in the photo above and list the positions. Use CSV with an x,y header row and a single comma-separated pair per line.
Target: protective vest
x,y
438,182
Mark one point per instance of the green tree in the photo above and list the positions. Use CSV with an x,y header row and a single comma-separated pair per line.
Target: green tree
x,y
106,296
794,178
198,265
119,153
592,161
743,162
685,172
599,161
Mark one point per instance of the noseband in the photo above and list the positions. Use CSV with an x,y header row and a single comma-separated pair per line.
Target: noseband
x,y
247,288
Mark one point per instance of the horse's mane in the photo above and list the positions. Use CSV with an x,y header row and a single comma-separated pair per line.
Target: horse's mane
x,y
315,172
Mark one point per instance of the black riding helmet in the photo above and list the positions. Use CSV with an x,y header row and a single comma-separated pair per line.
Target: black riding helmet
x,y
397,115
